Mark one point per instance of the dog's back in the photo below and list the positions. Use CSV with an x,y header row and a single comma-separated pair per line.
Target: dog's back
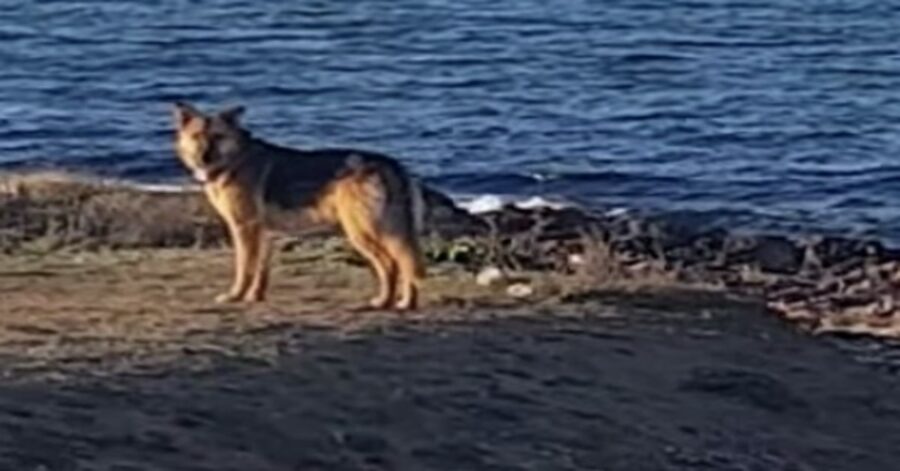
x,y
297,178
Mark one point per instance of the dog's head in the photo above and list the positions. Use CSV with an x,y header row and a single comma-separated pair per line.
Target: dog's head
x,y
208,144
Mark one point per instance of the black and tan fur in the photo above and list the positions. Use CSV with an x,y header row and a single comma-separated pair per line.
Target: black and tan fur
x,y
259,188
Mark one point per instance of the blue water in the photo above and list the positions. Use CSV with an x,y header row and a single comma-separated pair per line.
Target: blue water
x,y
779,114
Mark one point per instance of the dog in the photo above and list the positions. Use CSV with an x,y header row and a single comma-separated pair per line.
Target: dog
x,y
260,188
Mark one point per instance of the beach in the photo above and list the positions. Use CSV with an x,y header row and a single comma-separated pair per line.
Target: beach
x,y
118,359
124,364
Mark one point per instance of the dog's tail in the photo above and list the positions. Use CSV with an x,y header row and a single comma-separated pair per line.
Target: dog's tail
x,y
416,210
416,205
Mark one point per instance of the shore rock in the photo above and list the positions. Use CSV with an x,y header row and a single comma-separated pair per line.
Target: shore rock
x,y
824,283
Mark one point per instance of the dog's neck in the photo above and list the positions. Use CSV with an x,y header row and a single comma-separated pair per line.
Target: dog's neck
x,y
259,147
253,149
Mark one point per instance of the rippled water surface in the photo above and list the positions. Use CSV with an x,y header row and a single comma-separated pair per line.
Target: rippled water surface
x,y
763,113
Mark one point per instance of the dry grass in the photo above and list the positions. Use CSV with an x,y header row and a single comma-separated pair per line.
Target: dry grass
x,y
136,305
43,212
48,211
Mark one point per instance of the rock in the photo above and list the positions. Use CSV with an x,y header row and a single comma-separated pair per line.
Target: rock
x,y
489,276
519,290
840,282
776,254
510,220
566,223
832,251
445,218
576,260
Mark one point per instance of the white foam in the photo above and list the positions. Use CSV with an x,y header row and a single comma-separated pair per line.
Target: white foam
x,y
537,202
481,204
149,187
616,212
163,187
491,202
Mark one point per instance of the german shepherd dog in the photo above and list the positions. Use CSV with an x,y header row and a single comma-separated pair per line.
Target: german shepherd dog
x,y
259,188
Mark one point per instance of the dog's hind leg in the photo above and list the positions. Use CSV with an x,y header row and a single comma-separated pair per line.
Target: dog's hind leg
x,y
355,203
400,229
384,267
404,252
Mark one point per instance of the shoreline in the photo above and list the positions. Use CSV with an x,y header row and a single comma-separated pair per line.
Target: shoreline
x,y
824,284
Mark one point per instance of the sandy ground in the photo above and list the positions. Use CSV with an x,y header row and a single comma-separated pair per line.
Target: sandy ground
x,y
119,362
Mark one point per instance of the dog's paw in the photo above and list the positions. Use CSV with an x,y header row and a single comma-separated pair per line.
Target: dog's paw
x,y
408,304
379,302
254,298
227,298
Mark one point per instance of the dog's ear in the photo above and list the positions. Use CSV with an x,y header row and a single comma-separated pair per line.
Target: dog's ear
x,y
232,115
184,113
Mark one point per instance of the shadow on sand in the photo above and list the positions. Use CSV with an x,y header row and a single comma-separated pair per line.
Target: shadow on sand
x,y
613,383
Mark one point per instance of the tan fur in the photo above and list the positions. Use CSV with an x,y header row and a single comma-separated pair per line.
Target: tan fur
x,y
259,188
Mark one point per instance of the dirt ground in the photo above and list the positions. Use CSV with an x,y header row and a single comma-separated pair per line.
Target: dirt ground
x,y
119,361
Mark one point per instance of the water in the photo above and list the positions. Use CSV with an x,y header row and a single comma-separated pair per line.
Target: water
x,y
764,114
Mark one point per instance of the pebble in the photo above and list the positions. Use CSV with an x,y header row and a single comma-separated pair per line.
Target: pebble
x,y
520,290
489,276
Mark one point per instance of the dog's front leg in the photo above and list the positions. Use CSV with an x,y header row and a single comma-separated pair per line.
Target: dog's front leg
x,y
258,265
245,238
